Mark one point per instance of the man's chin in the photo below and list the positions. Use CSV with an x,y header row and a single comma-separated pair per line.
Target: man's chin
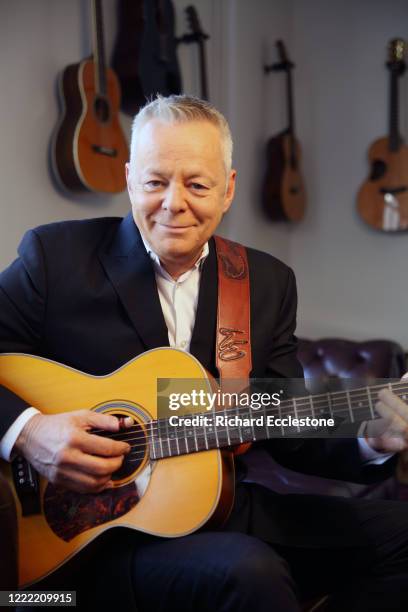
x,y
177,249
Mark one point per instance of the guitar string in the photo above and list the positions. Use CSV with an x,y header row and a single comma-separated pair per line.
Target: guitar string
x,y
342,407
181,436
155,425
220,431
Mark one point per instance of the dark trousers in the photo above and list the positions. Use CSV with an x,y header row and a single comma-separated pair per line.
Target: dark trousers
x,y
234,570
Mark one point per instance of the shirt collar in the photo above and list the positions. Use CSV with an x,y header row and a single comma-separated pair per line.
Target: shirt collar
x,y
159,268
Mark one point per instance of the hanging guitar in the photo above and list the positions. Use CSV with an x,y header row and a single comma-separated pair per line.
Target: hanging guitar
x,y
197,35
145,57
283,192
89,147
383,198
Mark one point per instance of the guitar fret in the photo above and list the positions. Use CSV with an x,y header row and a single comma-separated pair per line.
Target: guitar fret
x,y
168,439
280,416
211,433
185,438
370,402
311,407
195,438
227,429
265,422
160,441
296,414
216,432
152,446
349,407
205,437
330,404
239,427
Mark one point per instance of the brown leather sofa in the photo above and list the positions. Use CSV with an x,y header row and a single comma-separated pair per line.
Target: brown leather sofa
x,y
330,358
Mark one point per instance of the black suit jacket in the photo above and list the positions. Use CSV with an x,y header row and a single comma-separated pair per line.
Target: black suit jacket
x,y
83,293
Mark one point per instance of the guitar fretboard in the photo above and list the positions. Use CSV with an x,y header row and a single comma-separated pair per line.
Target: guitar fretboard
x,y
99,47
353,406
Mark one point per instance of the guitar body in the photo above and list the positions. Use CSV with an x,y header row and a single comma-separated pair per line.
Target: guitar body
x,y
383,198
168,497
89,148
284,196
158,64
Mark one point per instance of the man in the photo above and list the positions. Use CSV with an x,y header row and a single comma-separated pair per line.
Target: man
x,y
93,295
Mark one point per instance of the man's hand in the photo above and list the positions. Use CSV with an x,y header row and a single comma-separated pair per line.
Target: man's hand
x,y
389,433
61,448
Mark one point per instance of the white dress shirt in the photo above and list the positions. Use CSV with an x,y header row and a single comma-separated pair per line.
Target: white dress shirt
x,y
178,299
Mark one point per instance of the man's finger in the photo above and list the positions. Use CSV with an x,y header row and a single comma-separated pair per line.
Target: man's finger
x,y
393,401
93,465
94,444
395,426
80,482
96,420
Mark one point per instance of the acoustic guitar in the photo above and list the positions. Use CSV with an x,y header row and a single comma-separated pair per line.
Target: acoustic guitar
x,y
177,478
383,198
283,194
89,147
197,35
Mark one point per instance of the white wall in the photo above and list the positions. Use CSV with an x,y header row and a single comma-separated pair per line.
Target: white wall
x,y
352,280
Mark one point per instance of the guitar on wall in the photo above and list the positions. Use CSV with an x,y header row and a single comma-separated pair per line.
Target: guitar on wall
x,y
383,198
175,479
145,57
197,35
89,146
283,192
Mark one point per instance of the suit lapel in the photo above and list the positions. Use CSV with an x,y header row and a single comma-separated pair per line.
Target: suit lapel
x,y
203,338
129,269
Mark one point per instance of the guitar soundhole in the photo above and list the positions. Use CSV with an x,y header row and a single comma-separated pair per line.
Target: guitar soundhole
x,y
102,110
378,169
136,437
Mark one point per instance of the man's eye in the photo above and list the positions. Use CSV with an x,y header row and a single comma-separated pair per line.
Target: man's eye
x,y
198,186
150,185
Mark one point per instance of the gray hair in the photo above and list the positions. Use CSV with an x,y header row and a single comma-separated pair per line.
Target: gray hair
x,y
180,109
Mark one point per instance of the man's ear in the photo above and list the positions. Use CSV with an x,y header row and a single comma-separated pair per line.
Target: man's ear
x,y
128,180
230,191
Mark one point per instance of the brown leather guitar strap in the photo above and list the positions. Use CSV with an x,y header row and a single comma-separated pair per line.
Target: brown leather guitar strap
x,y
233,341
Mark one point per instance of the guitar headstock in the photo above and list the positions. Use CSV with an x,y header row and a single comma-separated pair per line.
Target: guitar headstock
x,y
194,23
283,55
396,55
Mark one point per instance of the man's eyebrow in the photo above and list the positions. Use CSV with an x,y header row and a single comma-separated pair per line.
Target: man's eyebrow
x,y
200,175
153,170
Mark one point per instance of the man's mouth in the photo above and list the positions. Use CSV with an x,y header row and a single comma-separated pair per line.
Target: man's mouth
x,y
174,227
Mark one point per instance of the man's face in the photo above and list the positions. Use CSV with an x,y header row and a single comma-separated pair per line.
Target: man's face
x,y
178,187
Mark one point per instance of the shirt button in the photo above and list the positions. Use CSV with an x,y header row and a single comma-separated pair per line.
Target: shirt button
x,y
183,343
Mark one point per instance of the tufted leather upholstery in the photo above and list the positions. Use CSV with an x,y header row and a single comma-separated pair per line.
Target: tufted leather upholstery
x,y
329,358
335,357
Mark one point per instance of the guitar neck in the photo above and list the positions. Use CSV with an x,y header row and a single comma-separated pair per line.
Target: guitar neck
x,y
394,135
232,426
99,47
203,69
291,118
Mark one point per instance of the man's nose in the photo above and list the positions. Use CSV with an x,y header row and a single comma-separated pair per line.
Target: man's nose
x,y
174,199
